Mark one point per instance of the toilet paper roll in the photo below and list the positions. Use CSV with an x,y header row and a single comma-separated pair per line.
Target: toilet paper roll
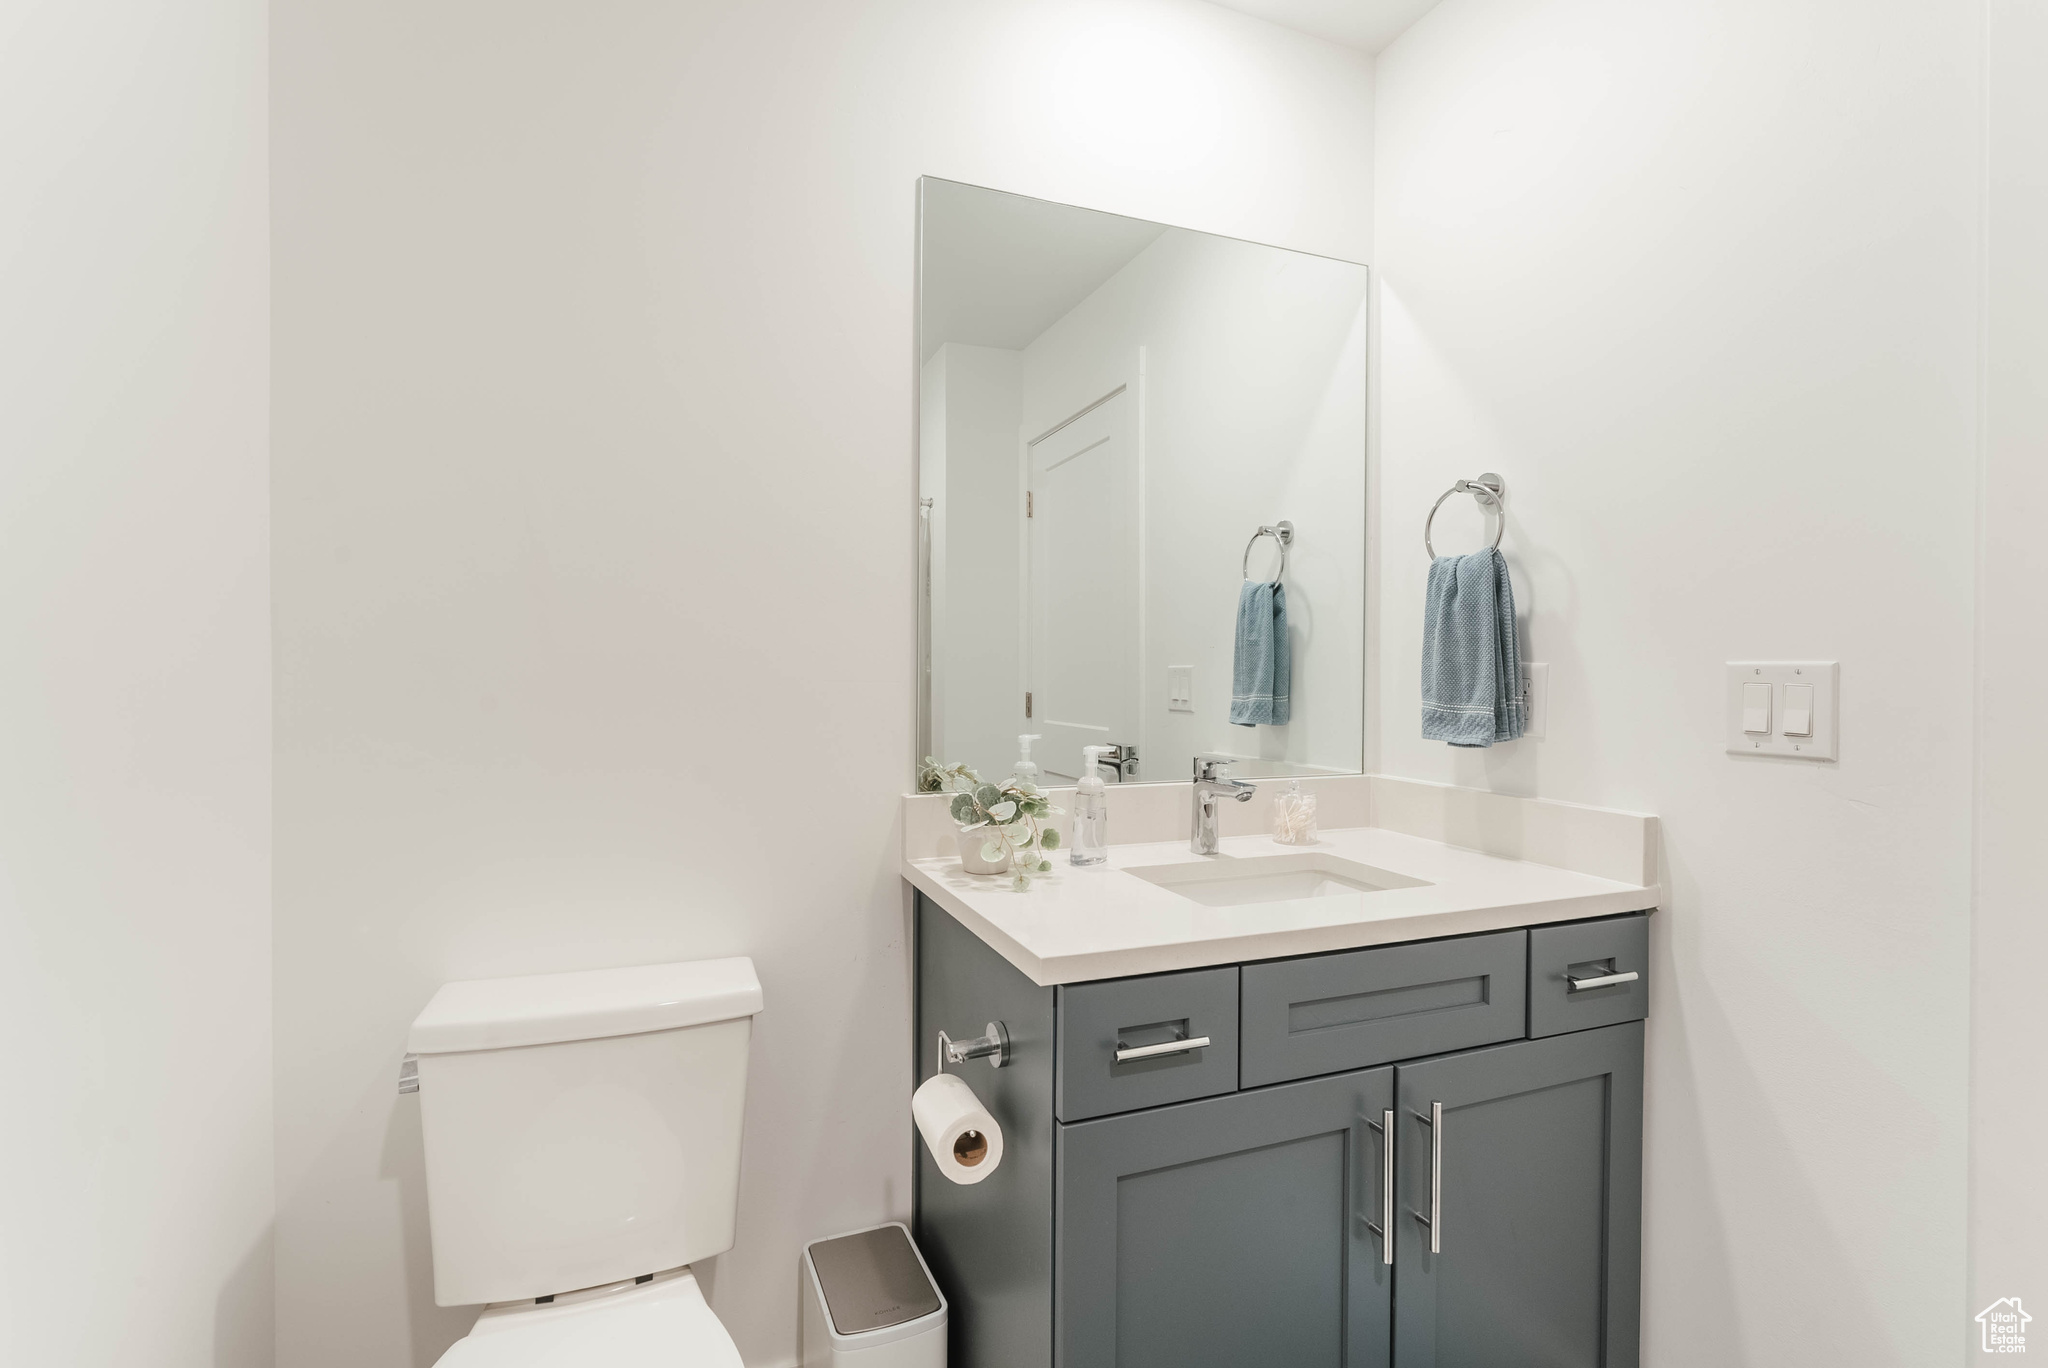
x,y
964,1139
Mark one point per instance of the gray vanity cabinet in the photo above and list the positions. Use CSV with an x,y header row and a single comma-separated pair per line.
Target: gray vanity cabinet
x,y
1227,1232
1194,1172
1532,1170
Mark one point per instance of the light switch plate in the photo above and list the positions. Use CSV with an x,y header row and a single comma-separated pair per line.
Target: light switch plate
x,y
1536,695
1824,676
1180,688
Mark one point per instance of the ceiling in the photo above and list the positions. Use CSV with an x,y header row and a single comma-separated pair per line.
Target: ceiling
x,y
999,269
1368,25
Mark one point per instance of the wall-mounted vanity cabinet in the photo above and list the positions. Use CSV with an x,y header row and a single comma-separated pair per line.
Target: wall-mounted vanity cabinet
x,y
1225,1204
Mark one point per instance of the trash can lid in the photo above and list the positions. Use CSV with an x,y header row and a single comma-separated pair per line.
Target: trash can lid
x,y
872,1280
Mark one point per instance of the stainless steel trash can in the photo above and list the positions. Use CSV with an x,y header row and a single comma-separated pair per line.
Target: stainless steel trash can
x,y
870,1302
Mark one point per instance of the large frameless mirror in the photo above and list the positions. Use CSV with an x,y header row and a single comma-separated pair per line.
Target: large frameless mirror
x,y
1141,512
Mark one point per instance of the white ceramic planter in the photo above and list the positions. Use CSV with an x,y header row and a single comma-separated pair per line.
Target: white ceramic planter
x,y
970,843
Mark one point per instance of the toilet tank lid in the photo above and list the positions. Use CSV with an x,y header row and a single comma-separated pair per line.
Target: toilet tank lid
x,y
543,1009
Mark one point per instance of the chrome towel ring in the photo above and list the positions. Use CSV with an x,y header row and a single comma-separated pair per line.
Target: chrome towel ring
x,y
1282,532
1490,492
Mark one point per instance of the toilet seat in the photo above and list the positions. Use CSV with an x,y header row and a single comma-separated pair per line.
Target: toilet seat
x,y
665,1323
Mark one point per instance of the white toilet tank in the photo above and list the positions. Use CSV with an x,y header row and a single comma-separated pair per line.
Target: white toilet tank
x,y
582,1128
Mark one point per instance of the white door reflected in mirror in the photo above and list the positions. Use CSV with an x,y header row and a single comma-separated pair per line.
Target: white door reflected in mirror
x,y
1081,510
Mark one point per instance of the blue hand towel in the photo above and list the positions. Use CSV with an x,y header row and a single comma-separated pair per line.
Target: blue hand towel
x,y
1263,673
1471,661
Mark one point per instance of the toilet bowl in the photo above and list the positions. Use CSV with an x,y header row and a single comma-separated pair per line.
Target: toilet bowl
x,y
663,1323
582,1142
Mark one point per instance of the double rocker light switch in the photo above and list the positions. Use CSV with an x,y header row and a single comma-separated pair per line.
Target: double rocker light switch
x,y
1777,708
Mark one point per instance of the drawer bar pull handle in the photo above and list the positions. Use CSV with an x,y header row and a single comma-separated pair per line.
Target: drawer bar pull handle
x,y
1126,1053
1385,1228
1578,985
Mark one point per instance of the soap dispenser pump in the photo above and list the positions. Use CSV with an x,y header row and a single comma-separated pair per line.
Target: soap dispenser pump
x,y
1091,811
1027,768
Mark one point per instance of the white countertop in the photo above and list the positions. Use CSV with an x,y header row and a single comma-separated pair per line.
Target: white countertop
x,y
1102,922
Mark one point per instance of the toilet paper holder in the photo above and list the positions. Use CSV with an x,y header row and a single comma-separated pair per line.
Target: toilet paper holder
x,y
993,1045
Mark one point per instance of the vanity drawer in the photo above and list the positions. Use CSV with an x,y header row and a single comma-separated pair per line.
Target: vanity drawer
x,y
1144,1019
1611,948
1304,1017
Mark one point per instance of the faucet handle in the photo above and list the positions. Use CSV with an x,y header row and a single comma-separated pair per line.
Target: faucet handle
x,y
1209,767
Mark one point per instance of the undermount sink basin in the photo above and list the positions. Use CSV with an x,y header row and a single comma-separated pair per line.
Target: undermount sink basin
x,y
1227,881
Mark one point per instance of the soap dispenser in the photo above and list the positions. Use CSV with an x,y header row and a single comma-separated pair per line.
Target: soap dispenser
x,y
1091,811
1027,768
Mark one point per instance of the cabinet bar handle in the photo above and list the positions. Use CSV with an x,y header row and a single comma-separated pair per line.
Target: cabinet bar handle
x,y
1387,1190
1575,985
1125,1054
1435,1219
1385,1228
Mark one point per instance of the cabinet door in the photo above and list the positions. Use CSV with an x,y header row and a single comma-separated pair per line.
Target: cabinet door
x,y
1233,1232
1536,1170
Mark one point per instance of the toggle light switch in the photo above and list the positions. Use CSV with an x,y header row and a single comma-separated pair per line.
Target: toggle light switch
x,y
1756,709
1799,698
1798,710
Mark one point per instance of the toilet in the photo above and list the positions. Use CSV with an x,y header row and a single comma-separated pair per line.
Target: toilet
x,y
582,1137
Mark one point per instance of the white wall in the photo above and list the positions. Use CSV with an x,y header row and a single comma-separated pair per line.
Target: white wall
x,y
1253,396
594,501
135,703
2009,1056
1699,279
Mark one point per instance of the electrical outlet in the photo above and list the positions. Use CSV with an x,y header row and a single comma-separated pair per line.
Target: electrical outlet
x,y
1180,688
1536,701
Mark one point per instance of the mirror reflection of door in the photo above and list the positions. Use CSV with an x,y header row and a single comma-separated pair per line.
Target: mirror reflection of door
x,y
1082,534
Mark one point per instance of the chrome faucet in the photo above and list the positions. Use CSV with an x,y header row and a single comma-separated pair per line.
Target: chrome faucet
x,y
1210,784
